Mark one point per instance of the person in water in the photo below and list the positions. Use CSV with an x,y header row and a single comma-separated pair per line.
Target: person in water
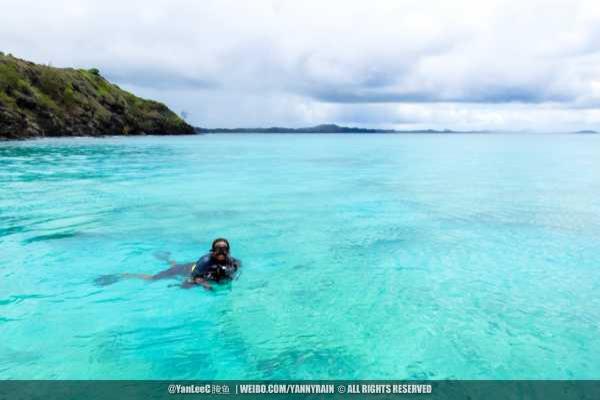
x,y
216,266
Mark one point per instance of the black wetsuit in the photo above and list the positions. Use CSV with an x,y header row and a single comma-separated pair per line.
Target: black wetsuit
x,y
208,269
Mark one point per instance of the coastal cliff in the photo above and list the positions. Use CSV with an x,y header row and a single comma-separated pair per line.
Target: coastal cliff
x,y
39,100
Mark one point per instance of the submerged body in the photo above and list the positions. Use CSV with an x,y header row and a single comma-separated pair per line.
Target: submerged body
x,y
174,271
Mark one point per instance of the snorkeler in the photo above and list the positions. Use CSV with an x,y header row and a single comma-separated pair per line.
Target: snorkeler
x,y
216,266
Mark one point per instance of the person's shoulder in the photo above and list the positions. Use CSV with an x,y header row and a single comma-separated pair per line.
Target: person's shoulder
x,y
236,262
205,259
201,265
203,262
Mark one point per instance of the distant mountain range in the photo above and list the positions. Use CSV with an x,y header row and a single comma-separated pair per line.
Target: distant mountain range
x,y
333,128
325,128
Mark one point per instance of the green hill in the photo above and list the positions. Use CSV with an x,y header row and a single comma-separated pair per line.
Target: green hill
x,y
39,100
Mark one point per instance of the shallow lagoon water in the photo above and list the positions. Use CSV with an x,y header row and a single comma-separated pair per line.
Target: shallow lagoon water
x,y
365,256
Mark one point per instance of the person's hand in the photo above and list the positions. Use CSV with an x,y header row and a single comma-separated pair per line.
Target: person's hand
x,y
203,283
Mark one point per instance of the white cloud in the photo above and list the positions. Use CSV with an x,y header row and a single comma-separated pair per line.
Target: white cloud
x,y
461,64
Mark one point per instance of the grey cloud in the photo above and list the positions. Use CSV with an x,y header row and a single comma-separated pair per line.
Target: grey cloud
x,y
481,94
152,78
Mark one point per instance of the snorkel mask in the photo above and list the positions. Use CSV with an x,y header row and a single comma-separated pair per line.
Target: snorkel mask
x,y
220,250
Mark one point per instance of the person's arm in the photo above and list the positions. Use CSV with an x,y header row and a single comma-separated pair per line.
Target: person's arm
x,y
196,274
189,283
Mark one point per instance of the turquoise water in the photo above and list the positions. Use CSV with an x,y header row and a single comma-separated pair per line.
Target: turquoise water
x,y
365,256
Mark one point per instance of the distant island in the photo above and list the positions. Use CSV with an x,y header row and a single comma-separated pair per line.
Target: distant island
x,y
39,100
586,131
325,128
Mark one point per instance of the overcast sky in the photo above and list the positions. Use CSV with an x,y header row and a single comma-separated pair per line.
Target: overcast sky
x,y
404,64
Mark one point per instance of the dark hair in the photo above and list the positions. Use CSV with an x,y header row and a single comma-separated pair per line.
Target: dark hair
x,y
217,240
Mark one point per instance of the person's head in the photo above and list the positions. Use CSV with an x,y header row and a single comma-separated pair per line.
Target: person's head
x,y
220,249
